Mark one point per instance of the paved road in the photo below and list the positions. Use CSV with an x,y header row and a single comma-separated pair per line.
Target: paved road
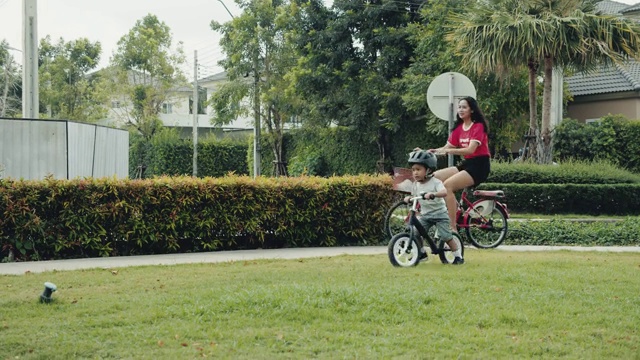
x,y
19,268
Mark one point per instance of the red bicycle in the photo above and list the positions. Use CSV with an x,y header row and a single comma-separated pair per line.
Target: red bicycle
x,y
484,220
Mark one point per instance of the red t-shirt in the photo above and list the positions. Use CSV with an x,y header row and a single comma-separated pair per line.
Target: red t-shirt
x,y
461,139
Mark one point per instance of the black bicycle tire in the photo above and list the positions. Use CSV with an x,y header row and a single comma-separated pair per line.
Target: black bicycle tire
x,y
496,243
442,252
387,218
392,255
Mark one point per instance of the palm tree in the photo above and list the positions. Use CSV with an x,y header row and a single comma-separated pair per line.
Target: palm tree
x,y
496,35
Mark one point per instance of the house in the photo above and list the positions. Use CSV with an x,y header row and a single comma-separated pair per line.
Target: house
x,y
177,111
608,90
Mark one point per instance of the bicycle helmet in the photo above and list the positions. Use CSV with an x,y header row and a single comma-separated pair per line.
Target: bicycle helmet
x,y
423,157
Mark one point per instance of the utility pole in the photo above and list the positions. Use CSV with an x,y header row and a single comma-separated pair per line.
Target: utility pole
x,y
30,90
195,113
256,118
256,110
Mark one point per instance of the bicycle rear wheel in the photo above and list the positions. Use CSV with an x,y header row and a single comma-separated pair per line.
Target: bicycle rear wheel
x,y
445,253
395,221
487,231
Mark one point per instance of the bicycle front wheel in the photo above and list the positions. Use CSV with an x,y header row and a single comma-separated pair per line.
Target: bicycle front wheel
x,y
403,251
487,231
395,221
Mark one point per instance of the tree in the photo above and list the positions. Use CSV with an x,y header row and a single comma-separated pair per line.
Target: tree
x,y
503,101
351,57
10,83
258,48
144,70
502,34
66,87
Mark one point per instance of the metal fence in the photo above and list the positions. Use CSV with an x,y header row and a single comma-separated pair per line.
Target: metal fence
x,y
34,149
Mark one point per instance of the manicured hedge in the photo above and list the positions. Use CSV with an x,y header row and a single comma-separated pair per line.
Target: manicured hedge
x,y
168,154
608,199
566,172
625,232
55,219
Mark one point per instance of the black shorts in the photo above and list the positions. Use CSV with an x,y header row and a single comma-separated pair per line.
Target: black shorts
x,y
478,167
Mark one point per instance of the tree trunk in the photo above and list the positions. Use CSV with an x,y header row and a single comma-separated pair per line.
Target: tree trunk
x,y
531,137
383,165
5,92
545,146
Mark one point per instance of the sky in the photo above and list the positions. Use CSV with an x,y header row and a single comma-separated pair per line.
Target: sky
x,y
108,21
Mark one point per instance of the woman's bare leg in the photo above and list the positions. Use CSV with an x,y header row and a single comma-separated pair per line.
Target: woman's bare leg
x,y
454,183
444,174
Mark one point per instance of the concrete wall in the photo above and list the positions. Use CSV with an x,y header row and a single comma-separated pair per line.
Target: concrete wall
x,y
34,149
596,109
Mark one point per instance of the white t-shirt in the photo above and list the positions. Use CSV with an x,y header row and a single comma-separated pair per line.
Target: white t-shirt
x,y
435,208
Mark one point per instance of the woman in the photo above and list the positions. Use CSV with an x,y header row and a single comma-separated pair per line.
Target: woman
x,y
469,139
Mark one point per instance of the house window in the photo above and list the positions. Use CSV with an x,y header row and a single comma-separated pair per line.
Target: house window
x,y
202,102
115,104
167,108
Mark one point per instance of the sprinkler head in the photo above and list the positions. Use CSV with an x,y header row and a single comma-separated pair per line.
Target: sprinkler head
x,y
49,288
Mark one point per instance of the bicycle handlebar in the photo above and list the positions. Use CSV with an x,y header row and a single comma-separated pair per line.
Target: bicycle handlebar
x,y
421,197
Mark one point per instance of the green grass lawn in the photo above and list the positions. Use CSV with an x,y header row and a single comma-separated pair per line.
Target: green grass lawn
x,y
498,305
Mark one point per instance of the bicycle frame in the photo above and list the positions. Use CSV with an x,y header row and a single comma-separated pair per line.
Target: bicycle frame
x,y
466,209
415,225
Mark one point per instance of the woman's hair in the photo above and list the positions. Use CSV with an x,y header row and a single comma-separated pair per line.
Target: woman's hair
x,y
476,114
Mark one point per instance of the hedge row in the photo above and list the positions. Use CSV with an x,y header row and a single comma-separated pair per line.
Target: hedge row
x,y
625,232
53,219
168,154
609,199
567,172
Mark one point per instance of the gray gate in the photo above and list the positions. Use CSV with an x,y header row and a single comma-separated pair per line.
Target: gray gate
x,y
33,149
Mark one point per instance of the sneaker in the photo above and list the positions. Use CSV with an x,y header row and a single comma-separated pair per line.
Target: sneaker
x,y
458,261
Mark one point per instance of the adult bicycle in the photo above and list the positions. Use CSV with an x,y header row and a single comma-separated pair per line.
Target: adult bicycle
x,y
407,248
484,220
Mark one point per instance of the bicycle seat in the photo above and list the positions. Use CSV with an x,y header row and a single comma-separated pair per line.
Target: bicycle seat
x,y
489,193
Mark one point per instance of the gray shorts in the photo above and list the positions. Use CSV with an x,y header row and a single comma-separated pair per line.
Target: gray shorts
x,y
441,224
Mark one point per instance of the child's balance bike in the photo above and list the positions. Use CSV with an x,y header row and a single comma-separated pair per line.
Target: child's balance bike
x,y
405,248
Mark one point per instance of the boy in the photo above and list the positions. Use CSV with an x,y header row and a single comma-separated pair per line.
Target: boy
x,y
434,211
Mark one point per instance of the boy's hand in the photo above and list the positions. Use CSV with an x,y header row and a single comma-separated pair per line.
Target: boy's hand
x,y
406,199
429,196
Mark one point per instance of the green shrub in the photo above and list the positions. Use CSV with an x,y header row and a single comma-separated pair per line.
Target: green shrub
x,y
566,172
582,233
614,138
169,154
52,219
310,161
610,199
